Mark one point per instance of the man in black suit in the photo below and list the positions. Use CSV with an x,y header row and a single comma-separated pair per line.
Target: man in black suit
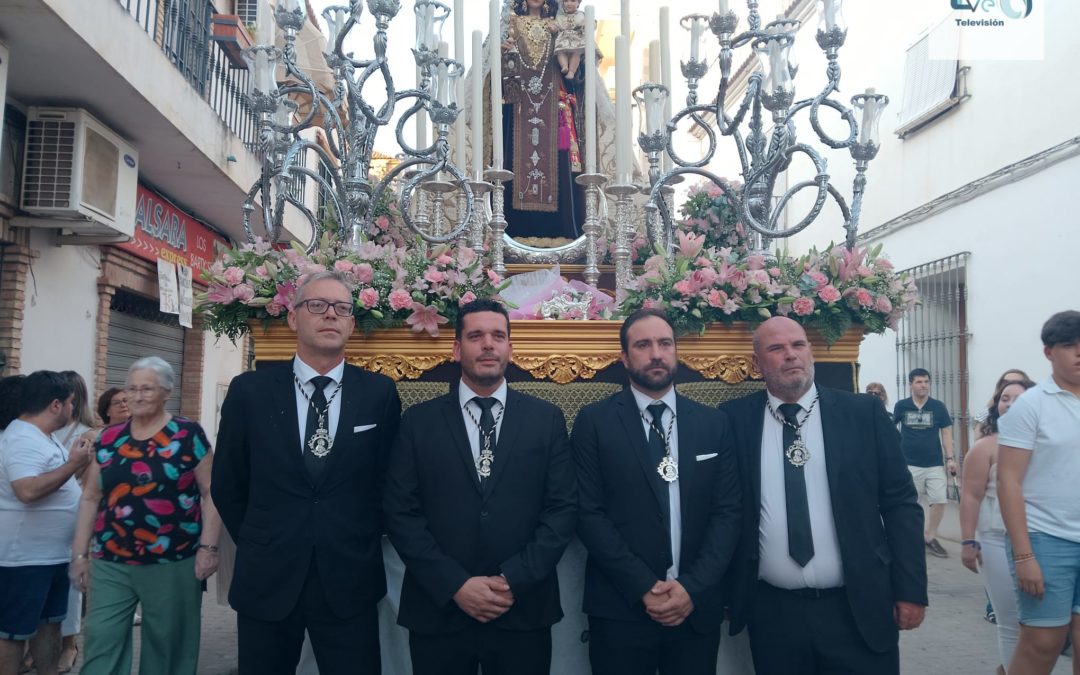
x,y
297,478
659,512
480,503
830,562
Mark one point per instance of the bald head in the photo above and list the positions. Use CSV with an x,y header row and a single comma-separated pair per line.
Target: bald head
x,y
782,354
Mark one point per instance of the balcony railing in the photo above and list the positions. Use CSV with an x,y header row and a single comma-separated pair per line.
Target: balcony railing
x,y
182,29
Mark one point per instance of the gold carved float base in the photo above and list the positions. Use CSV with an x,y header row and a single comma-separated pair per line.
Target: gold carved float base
x,y
559,351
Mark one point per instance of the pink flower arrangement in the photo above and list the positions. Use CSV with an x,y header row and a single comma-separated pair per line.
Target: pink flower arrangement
x,y
259,282
828,290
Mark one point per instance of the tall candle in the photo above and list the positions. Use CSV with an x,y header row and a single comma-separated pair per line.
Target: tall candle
x,y
654,62
421,118
624,16
477,113
443,96
665,68
460,49
590,89
723,7
623,144
495,44
695,37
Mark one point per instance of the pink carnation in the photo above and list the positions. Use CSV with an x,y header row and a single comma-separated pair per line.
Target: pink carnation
x,y
717,298
400,299
343,266
493,277
864,297
434,276
274,309
774,272
369,297
261,272
820,279
755,262
466,298
382,222
444,259
234,275
829,294
803,306
883,304
684,287
363,273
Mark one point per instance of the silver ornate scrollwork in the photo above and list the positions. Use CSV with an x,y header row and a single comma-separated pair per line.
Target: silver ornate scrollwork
x,y
764,155
350,124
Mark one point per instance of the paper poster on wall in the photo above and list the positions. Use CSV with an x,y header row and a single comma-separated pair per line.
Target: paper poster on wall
x,y
183,273
168,292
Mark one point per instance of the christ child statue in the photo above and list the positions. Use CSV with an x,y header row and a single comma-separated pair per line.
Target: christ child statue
x,y
569,30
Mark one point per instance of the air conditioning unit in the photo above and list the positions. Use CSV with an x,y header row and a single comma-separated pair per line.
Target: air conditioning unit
x,y
78,175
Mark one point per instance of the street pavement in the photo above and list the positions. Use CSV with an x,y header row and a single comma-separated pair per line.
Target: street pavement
x,y
955,639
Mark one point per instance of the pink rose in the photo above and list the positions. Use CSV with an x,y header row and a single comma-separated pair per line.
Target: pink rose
x,y
684,288
829,294
363,273
343,266
400,299
865,298
369,297
883,304
434,276
465,299
717,298
803,306
234,275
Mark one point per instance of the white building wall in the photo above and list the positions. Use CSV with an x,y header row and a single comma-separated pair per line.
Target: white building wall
x,y
222,361
1022,269
59,329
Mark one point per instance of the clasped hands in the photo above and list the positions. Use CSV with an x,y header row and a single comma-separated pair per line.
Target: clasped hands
x,y
484,598
668,603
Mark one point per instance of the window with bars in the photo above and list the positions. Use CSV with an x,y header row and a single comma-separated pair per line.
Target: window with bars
x,y
248,11
934,335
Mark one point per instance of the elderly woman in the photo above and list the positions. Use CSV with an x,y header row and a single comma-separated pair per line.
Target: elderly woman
x,y
148,522
112,406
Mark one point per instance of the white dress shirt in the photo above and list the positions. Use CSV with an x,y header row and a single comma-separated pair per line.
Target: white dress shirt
x,y
674,505
776,566
304,373
472,428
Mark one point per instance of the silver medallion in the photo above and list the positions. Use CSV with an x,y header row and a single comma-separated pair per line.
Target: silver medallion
x,y
321,441
484,462
668,469
535,85
797,453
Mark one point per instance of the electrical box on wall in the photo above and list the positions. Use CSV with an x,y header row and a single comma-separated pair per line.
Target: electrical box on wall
x,y
79,175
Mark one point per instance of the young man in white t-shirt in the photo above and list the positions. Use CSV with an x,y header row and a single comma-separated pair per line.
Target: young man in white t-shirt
x,y
38,500
1038,474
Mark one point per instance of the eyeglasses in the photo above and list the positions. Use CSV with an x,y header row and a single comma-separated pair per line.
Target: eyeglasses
x,y
141,391
317,306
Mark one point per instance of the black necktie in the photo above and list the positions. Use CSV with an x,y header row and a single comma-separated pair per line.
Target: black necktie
x,y
800,539
657,446
316,407
657,450
487,424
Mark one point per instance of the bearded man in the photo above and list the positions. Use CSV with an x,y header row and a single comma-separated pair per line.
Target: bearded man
x,y
659,512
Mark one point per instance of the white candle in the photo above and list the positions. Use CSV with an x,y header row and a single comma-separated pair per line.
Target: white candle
x,y
495,44
695,35
654,62
421,119
460,49
623,143
830,14
723,7
477,112
624,16
590,89
665,68
869,112
443,96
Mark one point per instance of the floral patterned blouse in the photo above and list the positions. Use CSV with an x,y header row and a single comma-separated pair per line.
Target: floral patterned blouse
x,y
150,508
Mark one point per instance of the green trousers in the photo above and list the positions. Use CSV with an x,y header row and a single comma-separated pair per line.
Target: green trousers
x,y
171,599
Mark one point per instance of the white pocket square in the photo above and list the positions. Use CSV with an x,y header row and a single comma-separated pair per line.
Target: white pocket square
x,y
702,458
363,427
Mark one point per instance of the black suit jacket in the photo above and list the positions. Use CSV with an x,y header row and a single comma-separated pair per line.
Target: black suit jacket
x,y
621,520
447,527
278,518
879,522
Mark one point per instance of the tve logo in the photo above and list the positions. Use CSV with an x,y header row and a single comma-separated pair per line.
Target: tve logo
x,y
1013,9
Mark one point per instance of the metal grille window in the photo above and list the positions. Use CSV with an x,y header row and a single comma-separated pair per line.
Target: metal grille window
x,y
248,11
934,335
